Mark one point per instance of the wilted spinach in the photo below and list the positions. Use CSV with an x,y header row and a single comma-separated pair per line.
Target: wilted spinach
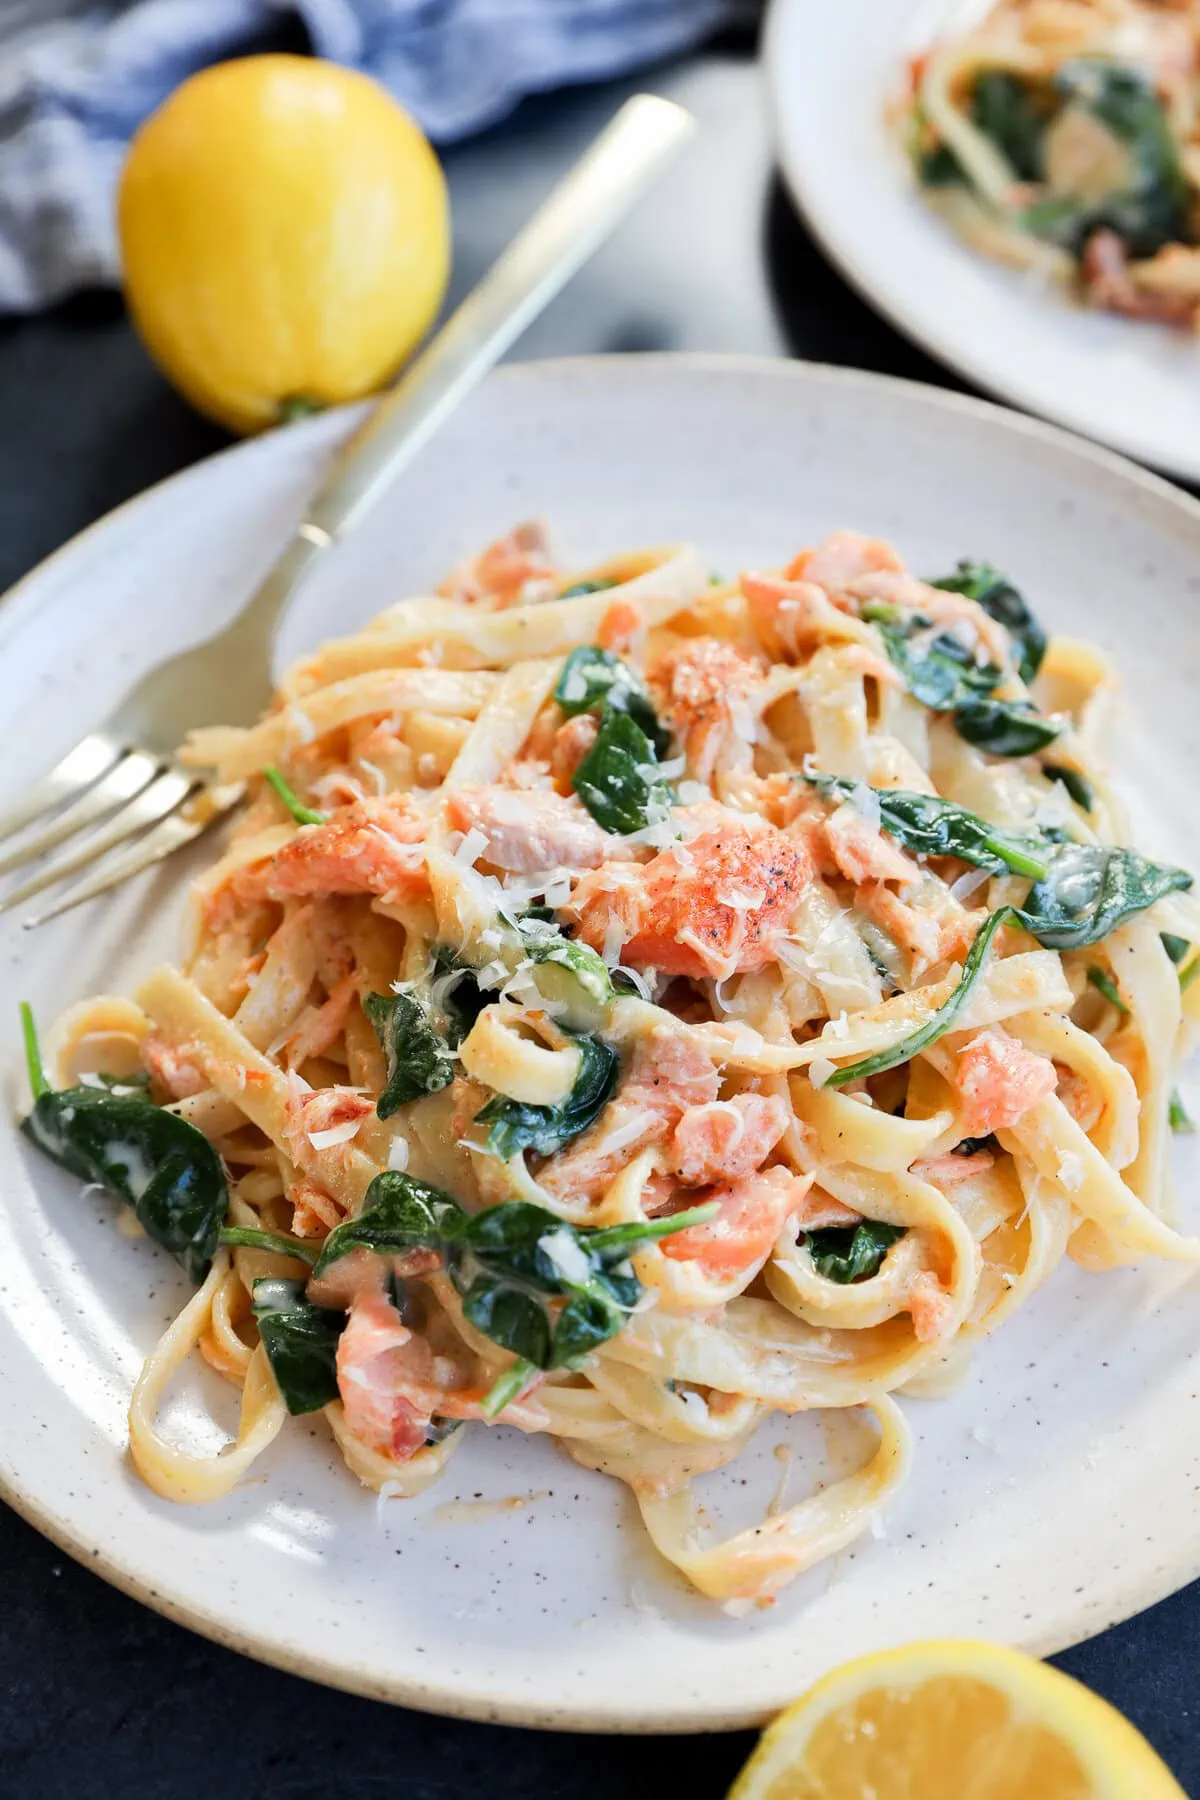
x,y
1006,110
508,1262
1151,209
300,1340
579,588
617,779
1177,1114
1077,785
1105,985
1004,603
303,815
1090,889
515,1126
595,680
460,999
930,826
846,1253
249,1237
418,1061
944,675
940,1022
152,1159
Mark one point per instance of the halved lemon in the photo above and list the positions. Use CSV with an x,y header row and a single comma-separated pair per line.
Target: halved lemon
x,y
947,1720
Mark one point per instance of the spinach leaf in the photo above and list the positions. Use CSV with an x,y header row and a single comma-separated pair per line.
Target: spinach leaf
x,y
941,673
303,815
586,587
616,779
1002,602
1175,947
595,680
945,676
460,999
300,1340
152,1159
969,1146
1078,786
1177,1114
934,827
1151,210
1105,985
399,1214
1090,889
248,1237
942,1020
515,1126
847,1253
1005,727
1005,110
508,1261
418,1061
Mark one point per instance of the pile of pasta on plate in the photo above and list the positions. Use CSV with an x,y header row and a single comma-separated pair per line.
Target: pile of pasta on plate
x,y
633,1003
1064,136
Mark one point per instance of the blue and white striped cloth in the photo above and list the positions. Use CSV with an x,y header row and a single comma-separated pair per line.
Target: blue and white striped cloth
x,y
77,77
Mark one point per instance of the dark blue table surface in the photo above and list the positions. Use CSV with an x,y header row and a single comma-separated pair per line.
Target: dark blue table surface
x,y
98,1696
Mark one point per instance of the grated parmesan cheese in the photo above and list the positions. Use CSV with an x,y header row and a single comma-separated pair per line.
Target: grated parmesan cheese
x,y
471,847
334,1134
398,1154
566,1255
1070,1170
820,1070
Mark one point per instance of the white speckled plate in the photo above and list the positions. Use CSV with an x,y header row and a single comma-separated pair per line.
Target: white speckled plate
x,y
1053,1493
830,70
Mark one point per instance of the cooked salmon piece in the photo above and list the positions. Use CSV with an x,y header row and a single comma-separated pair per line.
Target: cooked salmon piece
x,y
320,1109
572,741
701,692
843,557
515,568
367,848
785,614
727,1140
715,906
620,628
668,1076
739,1239
929,1304
863,852
531,830
998,1080
171,1067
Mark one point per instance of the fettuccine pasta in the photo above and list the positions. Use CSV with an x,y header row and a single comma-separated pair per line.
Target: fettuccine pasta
x,y
631,1004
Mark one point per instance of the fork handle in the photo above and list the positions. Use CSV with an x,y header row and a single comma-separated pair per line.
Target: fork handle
x,y
630,153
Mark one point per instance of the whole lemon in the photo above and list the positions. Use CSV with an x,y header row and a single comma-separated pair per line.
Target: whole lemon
x,y
285,234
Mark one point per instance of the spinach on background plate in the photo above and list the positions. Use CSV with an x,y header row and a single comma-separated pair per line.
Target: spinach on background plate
x,y
164,1168
514,1126
300,1340
846,1253
1151,209
418,1060
930,826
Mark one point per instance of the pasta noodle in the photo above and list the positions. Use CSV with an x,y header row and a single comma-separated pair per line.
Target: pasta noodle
x,y
631,1005
1063,136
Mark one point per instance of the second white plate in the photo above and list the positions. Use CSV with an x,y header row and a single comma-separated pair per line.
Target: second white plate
x,y
831,70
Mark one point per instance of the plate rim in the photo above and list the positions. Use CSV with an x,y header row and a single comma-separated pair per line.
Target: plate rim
x,y
435,1697
822,222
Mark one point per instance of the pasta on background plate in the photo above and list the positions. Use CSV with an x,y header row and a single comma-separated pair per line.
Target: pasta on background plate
x,y
633,1003
1063,136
